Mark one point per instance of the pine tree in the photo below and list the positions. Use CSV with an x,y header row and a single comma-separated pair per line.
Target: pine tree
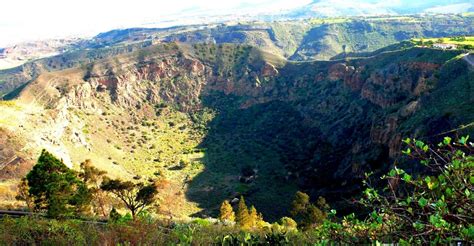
x,y
56,188
253,216
226,212
243,216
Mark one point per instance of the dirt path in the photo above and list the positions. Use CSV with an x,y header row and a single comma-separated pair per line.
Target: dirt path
x,y
469,58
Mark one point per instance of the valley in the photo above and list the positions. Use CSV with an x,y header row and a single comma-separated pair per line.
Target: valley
x,y
296,40
315,122
312,122
213,122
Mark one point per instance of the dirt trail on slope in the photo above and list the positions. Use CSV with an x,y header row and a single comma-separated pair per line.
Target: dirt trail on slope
x,y
469,58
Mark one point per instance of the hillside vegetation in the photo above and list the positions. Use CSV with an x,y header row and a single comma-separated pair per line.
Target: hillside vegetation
x,y
309,39
215,122
408,209
298,132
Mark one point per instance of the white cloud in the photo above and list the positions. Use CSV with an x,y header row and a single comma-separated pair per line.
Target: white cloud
x,y
22,20
452,8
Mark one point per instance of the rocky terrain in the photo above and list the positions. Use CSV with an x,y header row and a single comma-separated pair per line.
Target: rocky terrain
x,y
210,122
18,54
298,40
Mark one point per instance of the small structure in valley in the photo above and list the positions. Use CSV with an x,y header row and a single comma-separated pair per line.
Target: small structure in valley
x,y
445,46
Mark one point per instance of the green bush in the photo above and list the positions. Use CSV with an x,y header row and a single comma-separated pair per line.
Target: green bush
x,y
433,207
430,207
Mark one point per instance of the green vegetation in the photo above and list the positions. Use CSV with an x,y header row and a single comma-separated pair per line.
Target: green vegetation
x,y
206,142
462,41
308,215
434,207
226,212
135,196
52,187
212,123
56,188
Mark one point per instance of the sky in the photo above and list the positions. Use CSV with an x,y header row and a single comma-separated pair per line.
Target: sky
x,y
27,20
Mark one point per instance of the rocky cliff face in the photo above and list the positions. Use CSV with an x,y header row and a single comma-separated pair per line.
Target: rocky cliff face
x,y
387,86
177,81
294,40
315,125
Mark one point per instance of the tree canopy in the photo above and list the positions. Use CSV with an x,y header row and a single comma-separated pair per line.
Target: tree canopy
x,y
56,188
135,196
226,212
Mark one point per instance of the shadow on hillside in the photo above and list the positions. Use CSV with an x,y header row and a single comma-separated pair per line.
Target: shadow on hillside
x,y
245,152
283,150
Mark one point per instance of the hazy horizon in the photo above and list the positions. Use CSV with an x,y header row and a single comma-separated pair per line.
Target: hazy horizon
x,y
28,20
56,19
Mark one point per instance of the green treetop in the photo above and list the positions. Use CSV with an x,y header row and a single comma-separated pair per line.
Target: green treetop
x,y
56,188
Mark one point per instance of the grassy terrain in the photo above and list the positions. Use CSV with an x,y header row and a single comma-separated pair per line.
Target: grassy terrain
x,y
292,129
388,220
467,40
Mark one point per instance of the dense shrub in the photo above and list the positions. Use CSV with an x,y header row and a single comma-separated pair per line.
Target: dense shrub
x,y
431,207
56,188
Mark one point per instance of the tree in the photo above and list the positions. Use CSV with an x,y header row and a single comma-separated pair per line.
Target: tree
x,y
299,204
253,216
226,212
93,177
56,188
306,214
135,196
243,217
288,223
114,216
23,194
89,173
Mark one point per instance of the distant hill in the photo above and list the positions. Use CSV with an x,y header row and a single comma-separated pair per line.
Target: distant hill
x,y
340,8
300,40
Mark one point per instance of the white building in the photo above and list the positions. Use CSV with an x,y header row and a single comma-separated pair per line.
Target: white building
x,y
445,46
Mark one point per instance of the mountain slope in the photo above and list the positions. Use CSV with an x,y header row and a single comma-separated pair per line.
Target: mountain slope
x,y
312,39
211,122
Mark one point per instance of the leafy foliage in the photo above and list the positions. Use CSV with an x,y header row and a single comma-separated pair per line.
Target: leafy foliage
x,y
436,207
135,196
24,194
308,215
226,212
93,177
56,188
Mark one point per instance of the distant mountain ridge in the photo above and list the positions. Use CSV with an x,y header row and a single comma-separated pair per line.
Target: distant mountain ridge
x,y
299,40
340,8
